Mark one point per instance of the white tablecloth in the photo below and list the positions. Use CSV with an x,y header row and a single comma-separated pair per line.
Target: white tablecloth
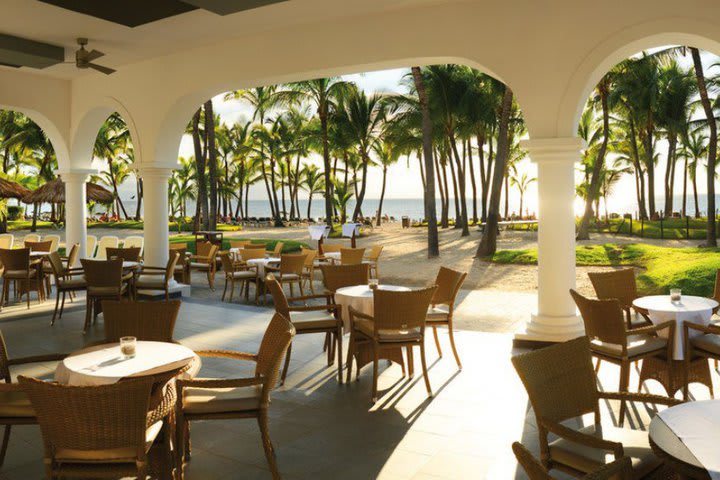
x,y
697,425
104,364
318,231
692,309
261,263
349,228
360,297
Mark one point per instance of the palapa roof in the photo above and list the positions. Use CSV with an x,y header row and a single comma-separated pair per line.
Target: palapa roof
x,y
54,192
10,189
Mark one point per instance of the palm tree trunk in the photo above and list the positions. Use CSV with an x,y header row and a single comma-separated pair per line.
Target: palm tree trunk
x,y
139,196
483,187
211,151
695,197
445,223
638,172
33,227
382,196
309,204
684,194
461,185
361,195
458,218
326,164
507,196
472,182
201,208
669,167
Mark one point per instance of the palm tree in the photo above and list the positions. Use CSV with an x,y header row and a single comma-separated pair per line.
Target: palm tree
x,y
387,155
695,146
110,144
522,181
341,198
312,182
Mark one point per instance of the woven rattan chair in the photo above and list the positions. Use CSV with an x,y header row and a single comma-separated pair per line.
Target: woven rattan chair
x,y
15,407
129,254
290,271
241,273
324,318
372,259
104,282
18,270
246,254
157,278
278,250
238,243
182,267
562,386
351,256
258,246
332,247
222,399
178,246
91,246
704,345
612,341
442,306
69,261
336,277
95,432
39,246
148,321
67,281
618,470
620,285
205,261
398,321
308,273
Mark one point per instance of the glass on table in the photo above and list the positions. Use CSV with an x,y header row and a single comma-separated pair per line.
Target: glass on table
x,y
675,295
128,346
373,283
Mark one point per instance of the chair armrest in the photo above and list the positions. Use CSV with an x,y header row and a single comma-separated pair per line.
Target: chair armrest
x,y
50,357
640,397
701,328
583,438
251,357
199,258
315,308
622,466
354,313
220,382
152,272
670,324
161,269
326,296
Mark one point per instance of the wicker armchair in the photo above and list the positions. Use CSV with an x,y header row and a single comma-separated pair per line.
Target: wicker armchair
x,y
332,247
238,272
351,256
442,306
339,276
278,250
705,345
67,281
620,285
157,278
222,399
238,243
128,254
39,246
290,271
323,318
16,268
69,261
182,267
104,282
54,241
308,273
255,246
150,321
372,259
398,321
15,407
205,261
82,440
612,341
620,469
561,385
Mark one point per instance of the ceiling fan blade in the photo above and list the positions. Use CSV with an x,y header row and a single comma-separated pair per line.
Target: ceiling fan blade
x,y
100,68
93,55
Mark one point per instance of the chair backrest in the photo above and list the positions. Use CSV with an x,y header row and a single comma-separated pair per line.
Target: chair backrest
x,y
310,256
227,262
73,255
273,347
149,321
56,264
332,247
182,257
134,241
31,237
292,263
91,244
560,380
179,246
6,240
448,282
103,273
375,252
130,254
351,256
255,246
15,259
173,259
202,248
278,295
4,361
69,416
55,239
110,241
617,284
238,243
277,251
395,310
251,253
603,319
339,276
39,246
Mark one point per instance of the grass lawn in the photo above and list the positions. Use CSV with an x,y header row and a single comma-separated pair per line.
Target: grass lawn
x,y
289,246
14,225
691,269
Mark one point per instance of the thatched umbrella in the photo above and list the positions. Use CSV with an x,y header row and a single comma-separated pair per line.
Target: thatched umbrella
x,y
54,192
10,189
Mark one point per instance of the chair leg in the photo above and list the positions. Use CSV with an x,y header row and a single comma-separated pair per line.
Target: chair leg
x,y
292,292
232,289
27,292
302,293
267,444
376,366
88,313
339,349
62,304
287,364
624,382
437,341
6,441
227,280
451,334
179,446
310,281
597,366
425,370
57,306
350,354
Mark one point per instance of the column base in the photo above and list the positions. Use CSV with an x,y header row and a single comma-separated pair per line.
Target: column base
x,y
543,330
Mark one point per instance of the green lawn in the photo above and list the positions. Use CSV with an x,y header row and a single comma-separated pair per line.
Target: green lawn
x,y
14,225
289,246
691,269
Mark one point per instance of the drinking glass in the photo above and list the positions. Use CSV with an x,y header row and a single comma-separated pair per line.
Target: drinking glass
x,y
675,295
373,283
127,346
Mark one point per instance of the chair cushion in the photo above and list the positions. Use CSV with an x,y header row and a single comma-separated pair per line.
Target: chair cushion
x,y
217,400
313,320
18,274
289,277
200,265
709,343
150,281
72,282
366,327
585,459
15,404
438,313
244,274
112,455
637,345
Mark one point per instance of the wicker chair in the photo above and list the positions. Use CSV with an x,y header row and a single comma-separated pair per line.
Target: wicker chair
x,y
7,240
323,318
238,243
82,440
157,278
290,271
442,306
69,261
278,250
705,345
182,267
222,399
67,281
246,254
398,321
104,282
332,247
561,385
17,269
612,341
238,272
339,276
257,246
620,469
620,285
39,246
15,407
149,321
308,273
372,259
351,256
205,261
128,254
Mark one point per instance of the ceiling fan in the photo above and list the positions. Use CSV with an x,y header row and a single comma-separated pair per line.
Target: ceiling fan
x,y
84,58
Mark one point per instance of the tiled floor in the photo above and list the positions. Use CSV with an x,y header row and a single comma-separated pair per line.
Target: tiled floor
x,y
322,430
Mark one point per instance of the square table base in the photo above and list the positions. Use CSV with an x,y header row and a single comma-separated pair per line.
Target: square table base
x,y
670,374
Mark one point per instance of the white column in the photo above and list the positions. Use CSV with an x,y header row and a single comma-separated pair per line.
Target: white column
x,y
155,214
76,208
556,319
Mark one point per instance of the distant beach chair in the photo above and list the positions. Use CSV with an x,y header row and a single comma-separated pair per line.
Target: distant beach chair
x,y
134,241
7,240
91,244
105,242
55,239
31,237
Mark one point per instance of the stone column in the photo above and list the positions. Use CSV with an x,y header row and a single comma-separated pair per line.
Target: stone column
x,y
155,213
76,208
556,319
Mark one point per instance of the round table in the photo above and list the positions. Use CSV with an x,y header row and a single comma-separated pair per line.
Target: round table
x,y
261,263
687,437
360,297
39,253
104,364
